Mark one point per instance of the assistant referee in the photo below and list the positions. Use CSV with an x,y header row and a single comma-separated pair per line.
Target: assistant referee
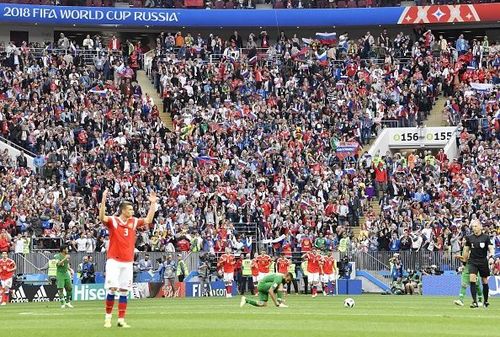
x,y
477,249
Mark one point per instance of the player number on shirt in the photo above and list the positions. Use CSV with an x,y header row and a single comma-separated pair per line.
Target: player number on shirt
x,y
125,232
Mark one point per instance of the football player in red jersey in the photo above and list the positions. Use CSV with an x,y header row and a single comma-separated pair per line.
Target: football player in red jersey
x,y
313,269
119,265
328,274
227,262
255,271
264,263
7,268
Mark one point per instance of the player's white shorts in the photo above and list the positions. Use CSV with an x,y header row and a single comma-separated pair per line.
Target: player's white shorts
x,y
325,278
261,276
313,277
119,274
255,279
228,277
6,283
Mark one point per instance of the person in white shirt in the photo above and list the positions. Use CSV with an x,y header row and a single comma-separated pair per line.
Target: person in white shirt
x,y
81,243
88,43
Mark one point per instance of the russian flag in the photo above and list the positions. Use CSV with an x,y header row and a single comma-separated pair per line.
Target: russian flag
x,y
253,60
206,159
471,68
321,57
307,41
99,91
326,38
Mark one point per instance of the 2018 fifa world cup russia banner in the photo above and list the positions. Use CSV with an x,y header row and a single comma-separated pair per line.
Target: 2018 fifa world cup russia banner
x,y
161,17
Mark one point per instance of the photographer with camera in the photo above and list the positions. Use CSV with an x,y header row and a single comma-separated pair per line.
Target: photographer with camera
x,y
204,275
86,270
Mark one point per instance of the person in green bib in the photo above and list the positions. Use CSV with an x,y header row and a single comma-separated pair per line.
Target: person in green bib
x,y
63,277
270,286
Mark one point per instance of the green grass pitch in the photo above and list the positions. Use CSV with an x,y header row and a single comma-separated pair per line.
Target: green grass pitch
x,y
373,315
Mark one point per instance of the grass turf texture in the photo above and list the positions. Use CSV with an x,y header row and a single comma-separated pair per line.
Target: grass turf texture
x,y
373,315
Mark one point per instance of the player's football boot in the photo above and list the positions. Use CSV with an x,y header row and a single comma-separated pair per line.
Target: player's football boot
x,y
474,305
459,302
123,324
3,303
486,304
243,301
283,305
69,305
107,323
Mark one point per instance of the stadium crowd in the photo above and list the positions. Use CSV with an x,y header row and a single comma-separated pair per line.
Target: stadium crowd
x,y
255,139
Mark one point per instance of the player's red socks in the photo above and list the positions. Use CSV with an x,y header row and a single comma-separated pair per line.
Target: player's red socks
x,y
122,306
5,297
325,289
314,290
110,302
229,289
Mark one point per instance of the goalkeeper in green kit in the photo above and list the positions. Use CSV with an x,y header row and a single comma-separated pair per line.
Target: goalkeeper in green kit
x,y
63,277
270,286
465,282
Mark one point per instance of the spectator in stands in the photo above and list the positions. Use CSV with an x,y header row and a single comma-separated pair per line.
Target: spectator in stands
x,y
5,241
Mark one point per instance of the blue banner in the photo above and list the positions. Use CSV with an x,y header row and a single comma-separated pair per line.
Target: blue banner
x,y
141,17
449,285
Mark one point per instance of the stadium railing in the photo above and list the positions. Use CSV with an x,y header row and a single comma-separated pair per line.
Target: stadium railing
x,y
379,261
87,55
34,263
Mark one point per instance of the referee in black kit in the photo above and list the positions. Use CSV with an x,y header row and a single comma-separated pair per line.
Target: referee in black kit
x,y
477,249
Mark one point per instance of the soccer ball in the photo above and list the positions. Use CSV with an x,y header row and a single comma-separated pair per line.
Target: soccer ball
x,y
349,303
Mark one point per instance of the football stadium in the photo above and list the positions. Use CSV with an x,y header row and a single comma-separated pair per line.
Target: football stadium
x,y
249,168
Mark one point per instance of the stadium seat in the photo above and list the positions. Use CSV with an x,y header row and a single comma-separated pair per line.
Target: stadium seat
x,y
361,3
341,4
229,5
178,4
219,4
137,3
279,4
352,4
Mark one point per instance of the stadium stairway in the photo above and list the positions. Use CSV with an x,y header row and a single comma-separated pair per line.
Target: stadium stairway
x,y
437,117
372,282
148,88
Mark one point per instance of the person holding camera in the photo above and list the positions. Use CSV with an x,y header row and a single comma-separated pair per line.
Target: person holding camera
x,y
203,275
87,271
169,274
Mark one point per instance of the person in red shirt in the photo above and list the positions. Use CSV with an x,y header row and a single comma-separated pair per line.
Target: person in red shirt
x,y
7,268
4,241
227,262
264,263
313,259
381,179
305,244
255,272
328,274
119,265
283,264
